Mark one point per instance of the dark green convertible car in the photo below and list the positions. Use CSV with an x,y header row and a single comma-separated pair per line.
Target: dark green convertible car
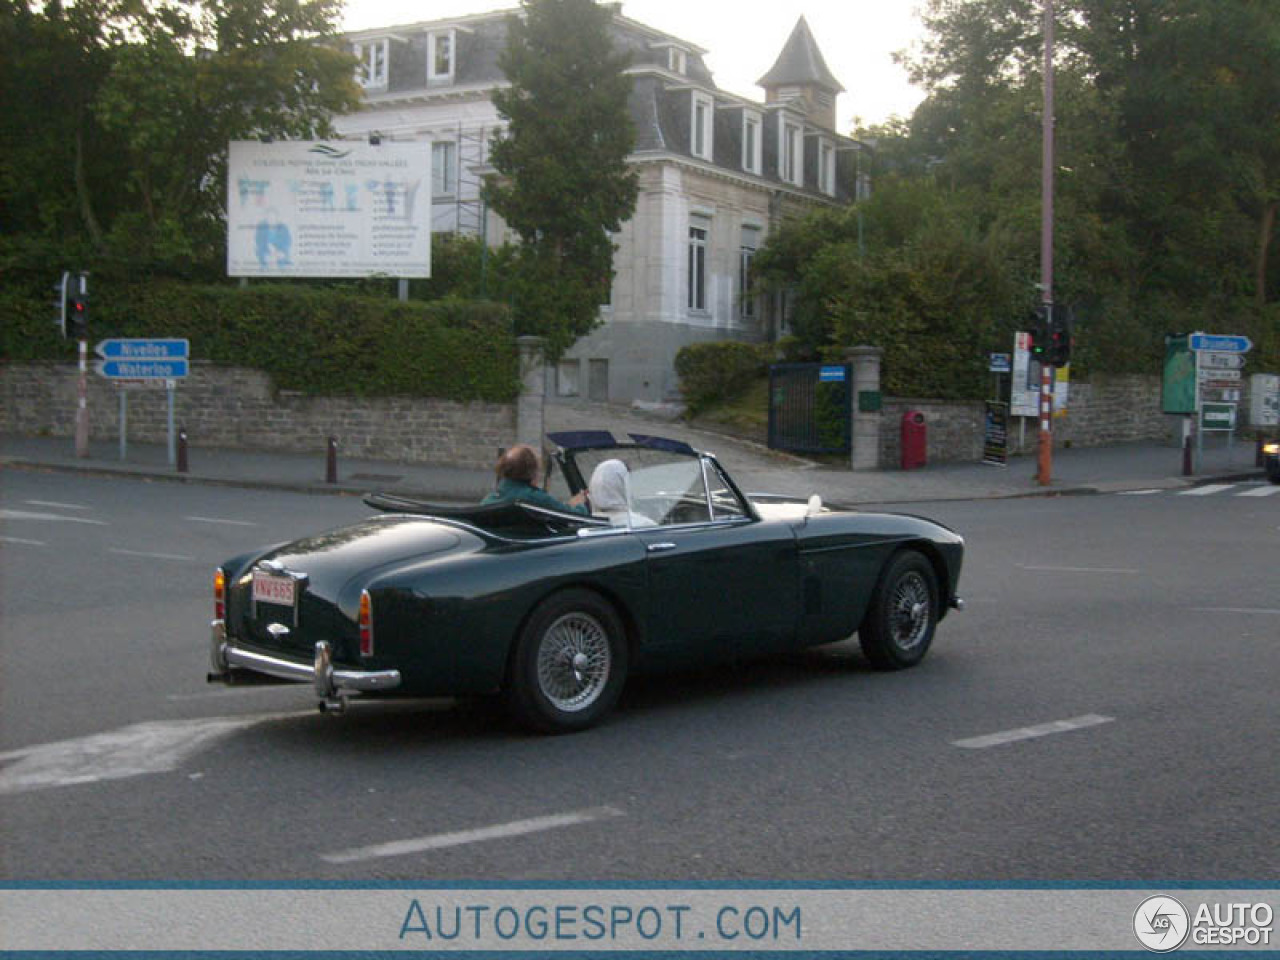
x,y
553,610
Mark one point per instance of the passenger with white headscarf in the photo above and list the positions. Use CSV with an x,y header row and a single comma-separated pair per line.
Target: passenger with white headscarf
x,y
610,496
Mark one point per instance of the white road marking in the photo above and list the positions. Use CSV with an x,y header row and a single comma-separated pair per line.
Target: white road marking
x,y
440,841
225,691
231,523
1262,610
1207,489
1028,733
1079,569
33,515
137,750
1266,491
56,505
1140,493
30,543
148,555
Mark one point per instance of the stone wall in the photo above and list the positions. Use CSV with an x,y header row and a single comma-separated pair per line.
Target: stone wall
x,y
1107,410
235,407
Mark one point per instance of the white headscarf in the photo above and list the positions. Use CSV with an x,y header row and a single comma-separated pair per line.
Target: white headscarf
x,y
610,494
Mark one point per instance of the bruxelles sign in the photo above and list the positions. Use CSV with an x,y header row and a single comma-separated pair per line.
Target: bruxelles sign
x,y
142,359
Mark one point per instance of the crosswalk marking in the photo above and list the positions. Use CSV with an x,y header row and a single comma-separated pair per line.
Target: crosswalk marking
x,y
1204,491
1246,489
1266,491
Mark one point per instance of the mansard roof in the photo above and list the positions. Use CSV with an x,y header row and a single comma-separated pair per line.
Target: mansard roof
x,y
800,63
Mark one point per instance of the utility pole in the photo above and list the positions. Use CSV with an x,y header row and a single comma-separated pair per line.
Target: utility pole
x,y
1044,459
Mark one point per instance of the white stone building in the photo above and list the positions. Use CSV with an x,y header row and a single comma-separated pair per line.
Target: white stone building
x,y
717,172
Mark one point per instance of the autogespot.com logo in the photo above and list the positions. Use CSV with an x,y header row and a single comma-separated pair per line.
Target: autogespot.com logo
x,y
1161,923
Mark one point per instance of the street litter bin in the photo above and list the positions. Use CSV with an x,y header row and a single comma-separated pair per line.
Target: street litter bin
x,y
914,440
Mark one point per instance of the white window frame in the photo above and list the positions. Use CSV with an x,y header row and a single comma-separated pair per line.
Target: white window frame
x,y
702,126
826,166
444,177
790,151
434,73
699,241
752,142
373,70
677,60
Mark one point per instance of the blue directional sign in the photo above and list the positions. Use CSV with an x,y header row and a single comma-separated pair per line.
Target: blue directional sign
x,y
831,375
1220,343
143,369
144,349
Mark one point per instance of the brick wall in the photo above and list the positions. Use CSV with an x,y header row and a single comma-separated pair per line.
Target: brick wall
x,y
235,407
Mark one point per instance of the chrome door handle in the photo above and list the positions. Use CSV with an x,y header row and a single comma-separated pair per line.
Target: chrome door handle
x,y
660,547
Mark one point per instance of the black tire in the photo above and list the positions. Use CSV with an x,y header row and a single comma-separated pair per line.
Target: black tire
x,y
568,665
898,627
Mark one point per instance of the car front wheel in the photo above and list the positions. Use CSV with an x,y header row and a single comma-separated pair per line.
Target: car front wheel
x,y
568,665
899,625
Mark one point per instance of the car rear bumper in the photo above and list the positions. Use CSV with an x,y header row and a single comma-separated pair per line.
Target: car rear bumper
x,y
228,659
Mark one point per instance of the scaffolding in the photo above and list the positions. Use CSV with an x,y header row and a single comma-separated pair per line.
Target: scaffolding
x,y
472,152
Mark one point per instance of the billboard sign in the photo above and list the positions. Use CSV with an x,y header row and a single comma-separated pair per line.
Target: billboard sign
x,y
304,208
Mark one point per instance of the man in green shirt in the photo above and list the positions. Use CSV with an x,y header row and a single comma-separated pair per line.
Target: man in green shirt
x,y
518,472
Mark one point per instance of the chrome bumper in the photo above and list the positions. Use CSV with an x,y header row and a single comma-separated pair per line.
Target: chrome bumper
x,y
330,682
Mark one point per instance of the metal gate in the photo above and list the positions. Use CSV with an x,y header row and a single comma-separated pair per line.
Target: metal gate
x,y
809,408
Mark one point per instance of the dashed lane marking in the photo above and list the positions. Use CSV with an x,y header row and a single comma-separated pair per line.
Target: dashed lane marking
x,y
230,523
501,831
29,543
148,555
1028,733
1024,566
56,505
1264,611
37,515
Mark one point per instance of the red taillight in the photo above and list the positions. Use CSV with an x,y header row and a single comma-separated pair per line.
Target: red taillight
x,y
366,624
219,595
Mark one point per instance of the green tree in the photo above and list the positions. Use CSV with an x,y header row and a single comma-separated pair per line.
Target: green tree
x,y
120,112
563,182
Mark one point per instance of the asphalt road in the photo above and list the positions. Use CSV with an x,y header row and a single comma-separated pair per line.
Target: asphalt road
x,y
1105,709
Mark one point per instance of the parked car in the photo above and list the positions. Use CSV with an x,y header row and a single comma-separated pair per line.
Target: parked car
x,y
1271,460
554,610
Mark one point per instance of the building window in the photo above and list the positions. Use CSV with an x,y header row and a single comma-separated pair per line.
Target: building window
x,y
703,111
371,73
440,55
752,153
699,230
444,168
677,60
827,168
791,153
747,256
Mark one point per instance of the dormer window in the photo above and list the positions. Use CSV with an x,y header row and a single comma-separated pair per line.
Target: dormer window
x,y
440,55
790,152
371,71
752,142
677,60
703,115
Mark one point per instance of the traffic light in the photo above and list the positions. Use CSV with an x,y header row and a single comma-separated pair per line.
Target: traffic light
x,y
1039,336
60,291
77,323
1058,351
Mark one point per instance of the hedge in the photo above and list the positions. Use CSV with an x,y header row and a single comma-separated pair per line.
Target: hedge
x,y
713,372
317,340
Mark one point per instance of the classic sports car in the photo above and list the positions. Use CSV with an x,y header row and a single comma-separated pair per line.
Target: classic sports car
x,y
554,610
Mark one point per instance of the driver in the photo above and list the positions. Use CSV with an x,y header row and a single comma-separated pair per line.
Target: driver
x,y
517,471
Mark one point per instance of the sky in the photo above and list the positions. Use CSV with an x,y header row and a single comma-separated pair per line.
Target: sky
x,y
743,38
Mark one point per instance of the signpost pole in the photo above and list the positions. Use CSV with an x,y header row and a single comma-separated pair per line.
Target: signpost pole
x,y
124,423
1045,452
173,455
82,403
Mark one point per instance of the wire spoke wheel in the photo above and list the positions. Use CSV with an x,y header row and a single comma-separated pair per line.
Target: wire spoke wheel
x,y
574,661
898,628
910,611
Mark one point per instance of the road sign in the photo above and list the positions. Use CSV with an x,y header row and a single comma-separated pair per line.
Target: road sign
x,y
1221,343
1000,363
1220,361
143,369
144,349
1213,373
1217,416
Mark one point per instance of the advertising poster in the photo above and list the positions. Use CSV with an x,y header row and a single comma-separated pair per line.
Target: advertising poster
x,y
342,209
1178,383
995,438
1025,389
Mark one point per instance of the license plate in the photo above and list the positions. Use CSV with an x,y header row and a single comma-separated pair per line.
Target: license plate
x,y
272,589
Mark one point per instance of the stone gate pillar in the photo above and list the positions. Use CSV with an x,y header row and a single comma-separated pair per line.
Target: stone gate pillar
x,y
530,421
866,401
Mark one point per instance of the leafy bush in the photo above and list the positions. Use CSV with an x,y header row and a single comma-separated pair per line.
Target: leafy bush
x,y
317,340
713,372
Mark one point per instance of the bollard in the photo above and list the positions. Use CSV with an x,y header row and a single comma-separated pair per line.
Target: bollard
x,y
331,462
182,450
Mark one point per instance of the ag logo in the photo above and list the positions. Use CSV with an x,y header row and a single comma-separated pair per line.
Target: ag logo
x,y
1161,923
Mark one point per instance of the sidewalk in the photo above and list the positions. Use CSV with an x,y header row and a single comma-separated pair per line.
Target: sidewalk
x,y
756,469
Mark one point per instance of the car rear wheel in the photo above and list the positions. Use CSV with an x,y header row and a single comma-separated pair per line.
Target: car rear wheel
x,y
569,663
899,625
